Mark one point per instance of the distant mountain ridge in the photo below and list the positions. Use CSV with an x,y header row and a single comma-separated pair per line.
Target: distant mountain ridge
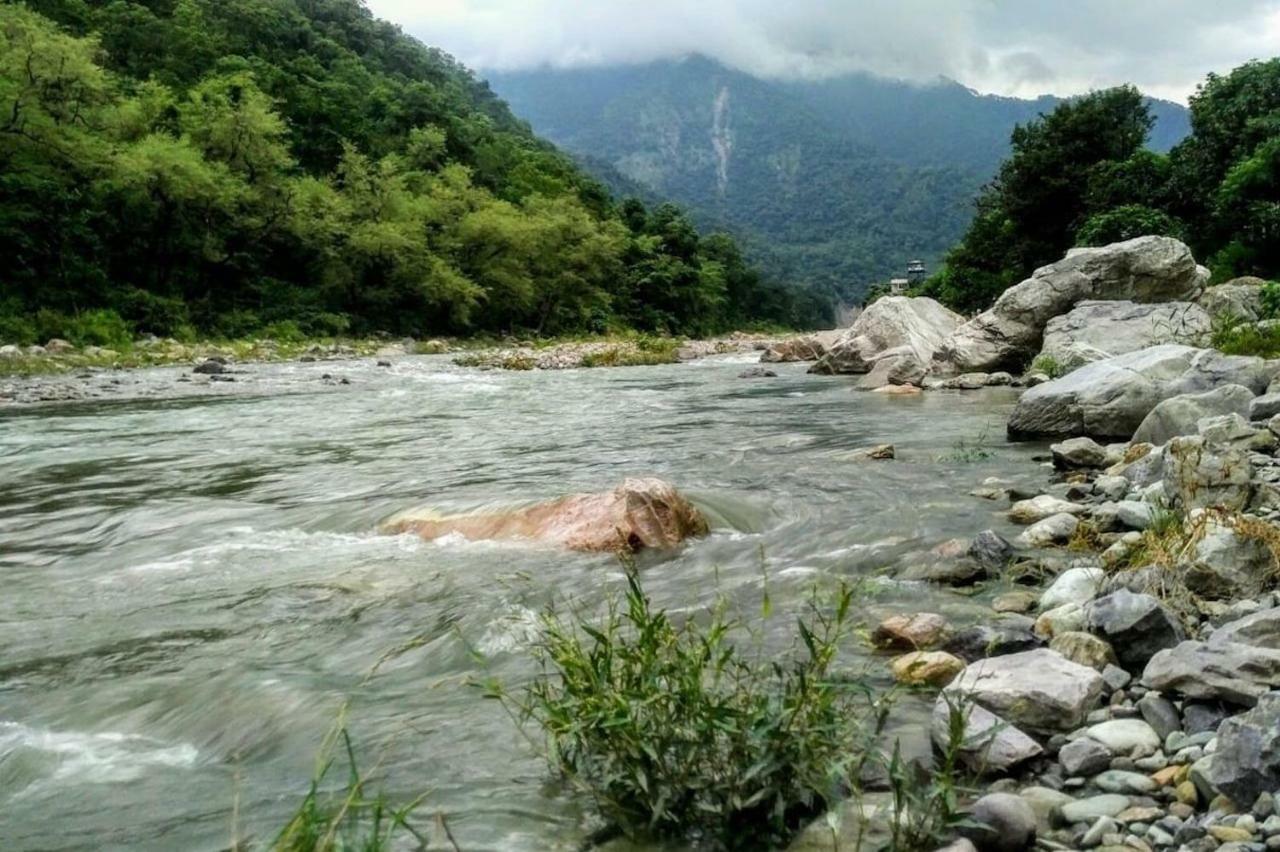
x,y
834,183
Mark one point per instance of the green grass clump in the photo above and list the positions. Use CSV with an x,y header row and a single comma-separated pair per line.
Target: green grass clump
x,y
348,818
1049,365
1235,336
675,731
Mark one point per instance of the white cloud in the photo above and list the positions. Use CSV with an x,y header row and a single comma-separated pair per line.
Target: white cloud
x,y
1022,47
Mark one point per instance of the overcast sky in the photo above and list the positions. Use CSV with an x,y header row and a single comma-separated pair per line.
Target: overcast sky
x,y
1017,47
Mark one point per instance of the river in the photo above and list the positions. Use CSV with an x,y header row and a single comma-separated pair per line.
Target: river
x,y
193,586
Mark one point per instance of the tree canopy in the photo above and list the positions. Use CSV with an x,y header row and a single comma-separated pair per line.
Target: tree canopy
x,y
214,166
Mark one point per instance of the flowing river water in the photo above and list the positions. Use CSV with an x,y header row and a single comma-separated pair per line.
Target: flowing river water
x,y
193,586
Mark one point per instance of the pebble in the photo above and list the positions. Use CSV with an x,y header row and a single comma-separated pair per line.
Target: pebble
x,y
1230,834
1087,810
1117,781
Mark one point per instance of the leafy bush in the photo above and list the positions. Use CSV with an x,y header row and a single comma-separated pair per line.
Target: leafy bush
x,y
348,819
1125,223
673,731
284,331
153,314
1235,336
1270,294
100,328
1049,365
15,327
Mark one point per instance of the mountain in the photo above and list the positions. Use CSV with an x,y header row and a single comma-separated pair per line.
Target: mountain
x,y
835,183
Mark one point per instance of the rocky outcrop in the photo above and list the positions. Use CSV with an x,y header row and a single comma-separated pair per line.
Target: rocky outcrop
x,y
1096,330
639,514
1222,671
1240,298
1179,415
905,330
809,348
1246,763
1008,335
1111,398
1198,474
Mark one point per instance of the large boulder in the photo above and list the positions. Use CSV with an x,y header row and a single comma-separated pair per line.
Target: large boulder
x,y
990,744
1247,761
1216,670
1198,474
1145,269
1096,330
1240,298
1226,564
1039,691
808,348
1105,399
1179,415
1111,398
917,323
639,514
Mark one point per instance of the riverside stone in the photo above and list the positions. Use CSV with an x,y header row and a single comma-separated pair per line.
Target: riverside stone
x,y
1088,810
1039,508
1040,691
1083,648
1198,475
935,668
1075,585
1079,452
1226,671
1056,529
914,631
639,514
1002,822
1084,756
1010,635
1118,781
1125,737
1246,763
990,745
1180,415
1160,714
1136,625
1094,330
906,326
990,549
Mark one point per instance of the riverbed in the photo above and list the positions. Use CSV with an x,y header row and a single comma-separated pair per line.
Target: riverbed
x,y
194,586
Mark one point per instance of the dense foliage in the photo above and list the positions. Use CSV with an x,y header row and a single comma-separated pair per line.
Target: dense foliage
x,y
216,166
832,183
1079,176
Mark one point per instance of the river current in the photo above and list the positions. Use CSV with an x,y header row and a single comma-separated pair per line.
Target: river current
x,y
193,587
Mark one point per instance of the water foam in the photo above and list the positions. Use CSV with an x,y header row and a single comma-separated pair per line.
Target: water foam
x,y
108,757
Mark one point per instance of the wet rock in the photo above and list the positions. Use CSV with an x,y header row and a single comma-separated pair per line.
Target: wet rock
x,y
1118,781
1083,648
1180,415
1002,822
913,632
932,668
1039,691
990,549
990,746
1016,601
809,348
1246,763
757,373
1198,475
1137,626
639,514
1007,636
1060,619
1039,508
880,452
210,367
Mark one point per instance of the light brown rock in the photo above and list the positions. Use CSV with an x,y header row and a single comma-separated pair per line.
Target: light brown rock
x,y
916,631
932,668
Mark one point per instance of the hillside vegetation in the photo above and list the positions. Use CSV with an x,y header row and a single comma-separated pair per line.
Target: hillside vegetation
x,y
1080,176
835,183
219,167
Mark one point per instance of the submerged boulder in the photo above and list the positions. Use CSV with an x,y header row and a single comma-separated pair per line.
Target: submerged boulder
x,y
639,514
1096,330
808,348
909,329
1145,269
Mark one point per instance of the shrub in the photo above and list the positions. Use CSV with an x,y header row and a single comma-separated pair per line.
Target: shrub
x,y
100,328
1125,223
1270,294
152,314
284,331
1049,365
1235,336
15,327
673,731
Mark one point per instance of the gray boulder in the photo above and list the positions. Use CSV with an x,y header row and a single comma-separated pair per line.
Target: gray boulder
x,y
990,746
1224,671
1146,269
1211,369
1265,407
1247,761
809,348
918,323
1180,415
1084,756
1096,330
1039,691
1105,399
1076,453
1198,475
1225,564
1137,626
1010,635
1239,297
1001,822
897,366
990,549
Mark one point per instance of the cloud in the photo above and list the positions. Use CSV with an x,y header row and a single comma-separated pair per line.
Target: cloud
x,y
1022,47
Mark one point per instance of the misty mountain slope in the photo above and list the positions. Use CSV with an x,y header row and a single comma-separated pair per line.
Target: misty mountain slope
x,y
837,183
747,154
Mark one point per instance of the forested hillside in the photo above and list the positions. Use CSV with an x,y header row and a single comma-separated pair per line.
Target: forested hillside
x,y
1081,176
834,183
219,166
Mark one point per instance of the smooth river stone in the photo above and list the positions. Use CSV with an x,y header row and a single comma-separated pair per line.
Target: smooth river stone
x,y
1088,810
